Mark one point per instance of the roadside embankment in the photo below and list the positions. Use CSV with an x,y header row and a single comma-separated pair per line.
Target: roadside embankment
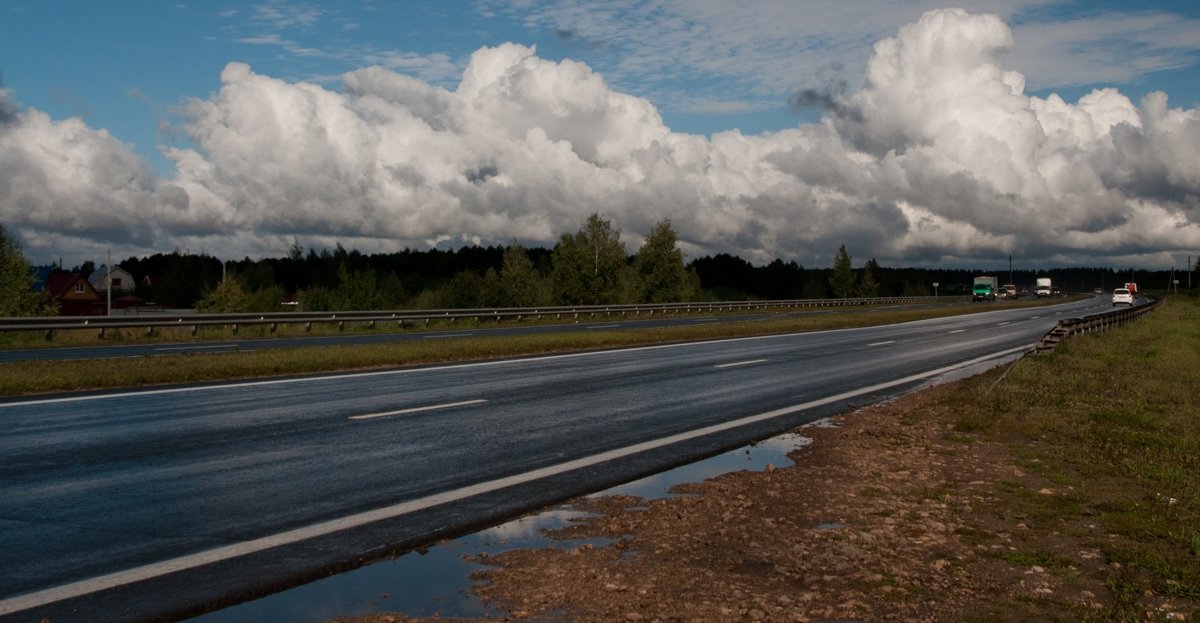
x,y
1068,491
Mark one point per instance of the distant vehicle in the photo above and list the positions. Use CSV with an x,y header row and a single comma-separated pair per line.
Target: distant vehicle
x,y
1010,291
1043,287
984,289
1132,287
1122,296
1054,291
1097,290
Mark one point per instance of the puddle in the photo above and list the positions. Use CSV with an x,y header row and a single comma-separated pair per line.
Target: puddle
x,y
436,581
754,457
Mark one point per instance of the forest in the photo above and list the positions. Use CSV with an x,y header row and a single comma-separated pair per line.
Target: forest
x,y
589,267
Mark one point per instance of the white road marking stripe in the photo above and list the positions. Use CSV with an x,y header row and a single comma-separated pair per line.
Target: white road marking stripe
x,y
198,347
604,326
1035,317
445,335
448,405
192,561
1001,324
739,363
883,343
421,370
958,331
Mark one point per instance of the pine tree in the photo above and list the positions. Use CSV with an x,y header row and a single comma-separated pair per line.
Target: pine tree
x,y
842,279
868,284
662,277
519,282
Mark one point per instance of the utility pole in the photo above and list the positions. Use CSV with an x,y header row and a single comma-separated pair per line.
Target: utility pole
x,y
108,283
1010,268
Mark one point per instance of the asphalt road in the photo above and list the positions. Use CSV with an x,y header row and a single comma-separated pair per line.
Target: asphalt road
x,y
152,505
62,353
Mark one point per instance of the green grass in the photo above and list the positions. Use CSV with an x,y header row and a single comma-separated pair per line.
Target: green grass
x,y
34,377
1114,418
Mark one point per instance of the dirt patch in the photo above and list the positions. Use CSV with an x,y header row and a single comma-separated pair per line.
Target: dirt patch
x,y
891,515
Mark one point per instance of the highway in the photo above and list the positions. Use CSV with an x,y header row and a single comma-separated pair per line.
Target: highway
x,y
484,329
161,504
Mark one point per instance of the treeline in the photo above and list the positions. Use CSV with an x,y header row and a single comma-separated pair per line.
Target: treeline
x,y
591,266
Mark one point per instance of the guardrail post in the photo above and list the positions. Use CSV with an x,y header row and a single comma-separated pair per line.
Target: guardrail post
x,y
341,325
195,329
308,327
101,334
273,327
234,327
49,334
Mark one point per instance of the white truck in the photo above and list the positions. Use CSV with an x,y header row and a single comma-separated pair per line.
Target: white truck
x,y
1043,287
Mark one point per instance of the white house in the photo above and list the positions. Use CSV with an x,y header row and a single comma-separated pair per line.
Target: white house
x,y
122,281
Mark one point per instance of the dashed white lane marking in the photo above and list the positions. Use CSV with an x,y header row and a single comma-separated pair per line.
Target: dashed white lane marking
x,y
958,331
448,405
882,343
192,561
739,363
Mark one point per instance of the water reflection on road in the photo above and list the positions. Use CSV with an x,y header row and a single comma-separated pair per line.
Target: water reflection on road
x,y
436,580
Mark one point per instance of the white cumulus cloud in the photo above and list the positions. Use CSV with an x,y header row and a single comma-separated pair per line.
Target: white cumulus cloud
x,y
939,158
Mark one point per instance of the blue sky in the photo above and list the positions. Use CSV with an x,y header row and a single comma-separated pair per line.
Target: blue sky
x,y
706,67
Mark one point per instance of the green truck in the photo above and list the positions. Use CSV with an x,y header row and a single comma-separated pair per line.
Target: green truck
x,y
984,289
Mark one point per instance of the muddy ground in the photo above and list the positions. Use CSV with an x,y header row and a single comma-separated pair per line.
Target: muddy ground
x,y
889,515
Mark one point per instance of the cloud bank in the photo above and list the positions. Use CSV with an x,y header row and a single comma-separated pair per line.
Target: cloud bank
x,y
940,158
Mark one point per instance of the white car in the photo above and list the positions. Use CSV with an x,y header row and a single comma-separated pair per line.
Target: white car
x,y
1121,296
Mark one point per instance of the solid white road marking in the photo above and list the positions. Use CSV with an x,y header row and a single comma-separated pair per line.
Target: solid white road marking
x,y
1001,324
192,561
883,343
604,326
739,363
958,331
197,347
446,335
421,370
448,405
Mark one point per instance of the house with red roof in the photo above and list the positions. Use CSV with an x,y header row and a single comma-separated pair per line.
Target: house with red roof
x,y
74,294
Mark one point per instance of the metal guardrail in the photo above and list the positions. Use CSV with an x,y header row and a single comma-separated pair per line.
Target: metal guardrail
x,y
50,324
1068,327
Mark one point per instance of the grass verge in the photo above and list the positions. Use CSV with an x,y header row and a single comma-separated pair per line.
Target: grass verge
x,y
1108,427
32,377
